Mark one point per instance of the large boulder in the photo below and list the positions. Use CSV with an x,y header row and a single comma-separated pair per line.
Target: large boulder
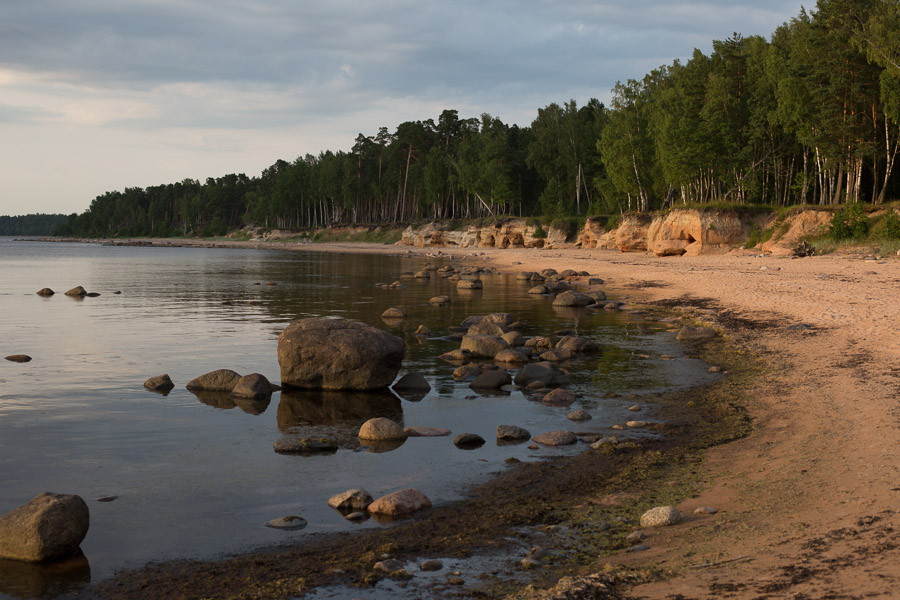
x,y
338,354
221,380
49,527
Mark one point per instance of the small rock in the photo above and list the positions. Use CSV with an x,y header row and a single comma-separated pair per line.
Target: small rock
x,y
77,292
466,371
638,548
491,380
617,427
288,523
468,441
634,408
579,415
106,499
351,499
556,438
456,581
222,380
440,300
469,284
510,356
356,516
660,517
715,369
45,292
534,447
706,510
254,386
271,283
605,441
18,358
412,382
636,424
305,445
160,383
394,312
512,432
389,566
400,503
426,431
381,428
431,565
637,536
559,397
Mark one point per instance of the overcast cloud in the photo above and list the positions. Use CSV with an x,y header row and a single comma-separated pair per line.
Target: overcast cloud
x,y
97,95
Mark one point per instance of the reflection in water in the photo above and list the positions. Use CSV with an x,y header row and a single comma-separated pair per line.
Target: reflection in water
x,y
225,401
33,580
346,409
382,446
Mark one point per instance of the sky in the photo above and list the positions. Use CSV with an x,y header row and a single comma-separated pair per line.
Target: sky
x,y
100,95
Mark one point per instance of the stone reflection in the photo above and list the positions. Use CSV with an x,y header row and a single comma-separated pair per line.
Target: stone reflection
x,y
32,580
225,401
346,409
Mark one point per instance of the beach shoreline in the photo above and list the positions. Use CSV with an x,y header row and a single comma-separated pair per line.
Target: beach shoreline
x,y
809,499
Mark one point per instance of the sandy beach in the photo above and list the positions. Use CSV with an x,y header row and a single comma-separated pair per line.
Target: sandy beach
x,y
809,503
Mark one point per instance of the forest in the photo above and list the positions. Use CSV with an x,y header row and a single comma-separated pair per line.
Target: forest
x,y
36,224
810,116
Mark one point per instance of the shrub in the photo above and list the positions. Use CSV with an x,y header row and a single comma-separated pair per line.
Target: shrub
x,y
892,225
539,232
849,223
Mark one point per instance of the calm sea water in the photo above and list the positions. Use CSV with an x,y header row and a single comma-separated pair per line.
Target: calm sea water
x,y
199,478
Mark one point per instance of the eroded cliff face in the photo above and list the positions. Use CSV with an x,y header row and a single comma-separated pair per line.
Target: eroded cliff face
x,y
680,232
512,232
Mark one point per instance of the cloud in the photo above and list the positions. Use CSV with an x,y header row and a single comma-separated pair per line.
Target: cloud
x,y
211,82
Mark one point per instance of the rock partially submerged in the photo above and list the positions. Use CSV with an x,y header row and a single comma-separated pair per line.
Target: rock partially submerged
x,y
356,499
338,354
45,292
220,380
401,503
305,445
77,292
160,383
18,358
413,382
556,438
49,527
512,432
253,386
381,429
696,334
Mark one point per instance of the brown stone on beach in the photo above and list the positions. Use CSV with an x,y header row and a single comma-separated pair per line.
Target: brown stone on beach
x,y
18,358
570,298
556,438
160,383
513,338
356,499
577,344
485,327
466,371
221,380
381,428
253,385
457,355
77,292
539,343
400,503
660,517
512,432
45,292
545,372
49,527
338,354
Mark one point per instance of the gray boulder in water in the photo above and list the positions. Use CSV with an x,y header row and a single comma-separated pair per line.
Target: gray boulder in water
x,y
253,385
338,354
49,527
221,380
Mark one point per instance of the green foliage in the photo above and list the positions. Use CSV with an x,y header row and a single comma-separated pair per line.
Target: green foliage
x,y
539,232
891,225
849,223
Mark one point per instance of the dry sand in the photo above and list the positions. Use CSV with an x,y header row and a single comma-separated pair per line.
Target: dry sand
x,y
810,502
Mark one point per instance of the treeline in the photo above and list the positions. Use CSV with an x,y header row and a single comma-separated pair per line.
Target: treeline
x,y
37,224
811,116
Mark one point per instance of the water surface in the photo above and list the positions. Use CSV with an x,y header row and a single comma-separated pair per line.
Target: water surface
x,y
197,477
